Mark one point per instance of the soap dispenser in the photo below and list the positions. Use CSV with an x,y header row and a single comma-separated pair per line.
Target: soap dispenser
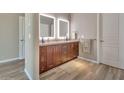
x,y
66,38
42,40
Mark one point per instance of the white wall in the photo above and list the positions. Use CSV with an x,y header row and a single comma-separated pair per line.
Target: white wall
x,y
9,35
32,45
121,39
86,24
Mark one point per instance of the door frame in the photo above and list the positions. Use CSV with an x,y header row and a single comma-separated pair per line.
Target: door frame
x,y
22,30
98,36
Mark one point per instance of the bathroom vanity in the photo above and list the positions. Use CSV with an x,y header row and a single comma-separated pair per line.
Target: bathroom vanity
x,y
58,48
56,53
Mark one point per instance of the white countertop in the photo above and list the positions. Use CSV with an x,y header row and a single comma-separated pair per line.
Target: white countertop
x,y
57,42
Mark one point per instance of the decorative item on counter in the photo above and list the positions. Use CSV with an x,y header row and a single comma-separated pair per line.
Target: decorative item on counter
x,y
43,41
81,37
76,36
73,35
66,38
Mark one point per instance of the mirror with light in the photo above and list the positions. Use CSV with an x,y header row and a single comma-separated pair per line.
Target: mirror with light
x,y
47,26
63,29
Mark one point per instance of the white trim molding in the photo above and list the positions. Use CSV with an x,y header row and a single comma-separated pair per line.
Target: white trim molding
x,y
9,60
28,75
98,38
88,59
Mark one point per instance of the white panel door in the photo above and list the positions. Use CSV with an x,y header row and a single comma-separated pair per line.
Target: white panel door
x,y
21,37
109,39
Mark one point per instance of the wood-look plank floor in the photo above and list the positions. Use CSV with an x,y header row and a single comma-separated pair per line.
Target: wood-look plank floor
x,y
13,71
82,70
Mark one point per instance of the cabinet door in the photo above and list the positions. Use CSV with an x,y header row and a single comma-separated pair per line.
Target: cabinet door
x,y
70,51
64,53
57,55
43,59
50,60
76,49
73,50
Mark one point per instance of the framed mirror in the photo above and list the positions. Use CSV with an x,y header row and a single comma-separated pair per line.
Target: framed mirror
x,y
47,27
63,29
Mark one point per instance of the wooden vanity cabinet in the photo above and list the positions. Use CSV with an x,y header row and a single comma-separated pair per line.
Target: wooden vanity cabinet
x,y
75,50
54,55
50,57
43,59
57,55
70,51
64,53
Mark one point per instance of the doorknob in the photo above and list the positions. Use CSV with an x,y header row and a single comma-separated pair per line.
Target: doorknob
x,y
101,40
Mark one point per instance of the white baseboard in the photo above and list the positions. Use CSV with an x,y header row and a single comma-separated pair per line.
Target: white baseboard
x,y
14,59
21,58
28,75
9,60
87,59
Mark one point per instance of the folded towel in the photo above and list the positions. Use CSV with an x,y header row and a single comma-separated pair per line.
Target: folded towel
x,y
86,45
